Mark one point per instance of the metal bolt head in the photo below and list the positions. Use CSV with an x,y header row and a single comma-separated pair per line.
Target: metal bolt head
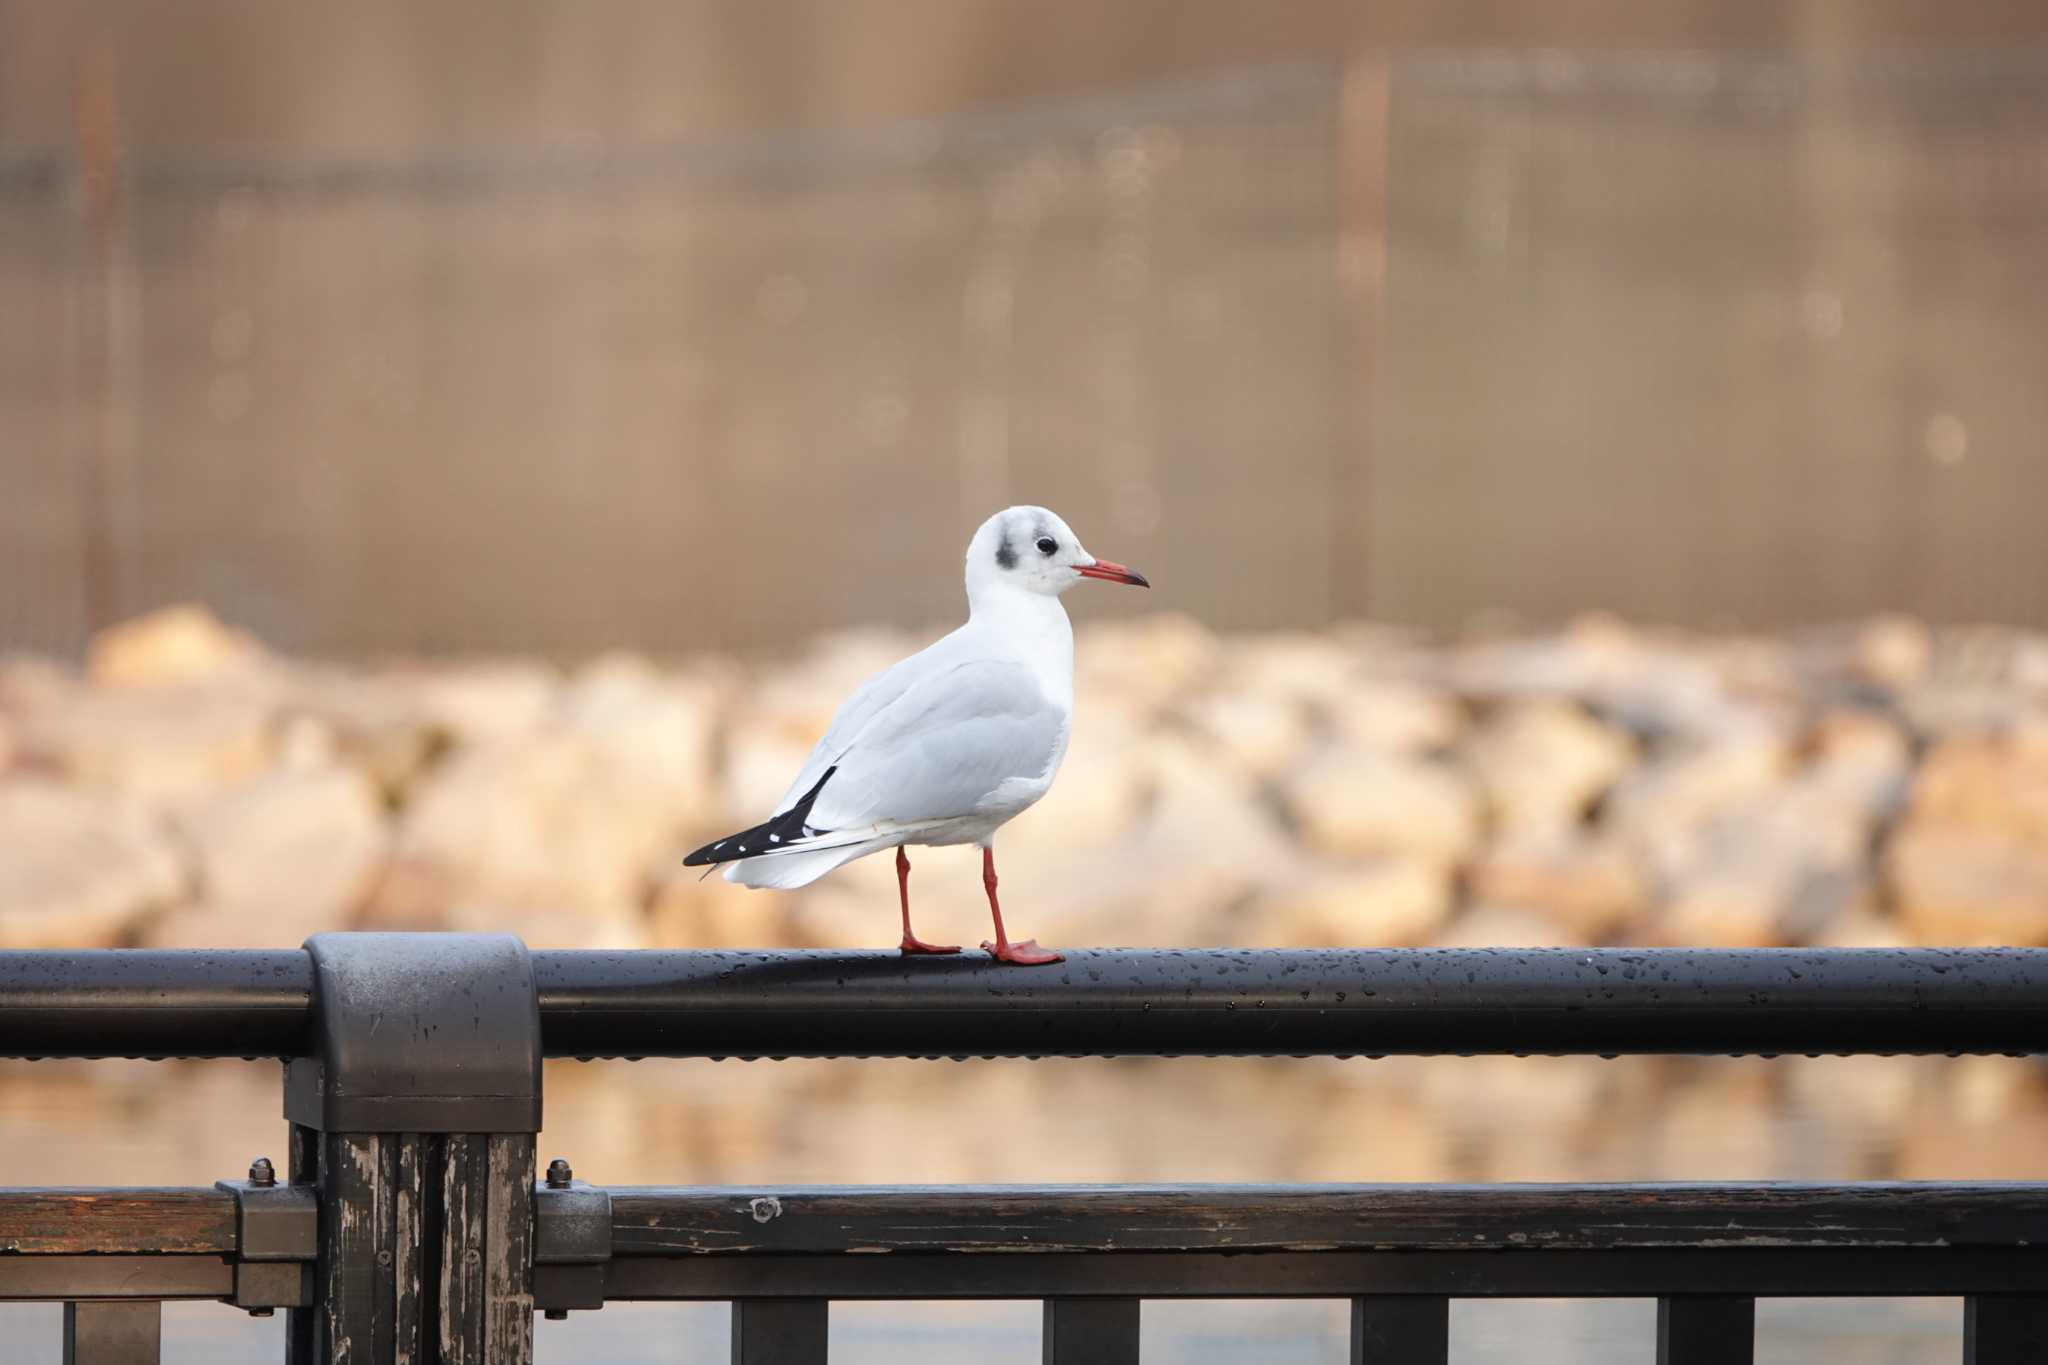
x,y
262,1312
557,1315
261,1172
559,1174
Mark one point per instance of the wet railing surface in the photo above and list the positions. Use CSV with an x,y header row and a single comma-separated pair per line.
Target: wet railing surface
x,y
411,1226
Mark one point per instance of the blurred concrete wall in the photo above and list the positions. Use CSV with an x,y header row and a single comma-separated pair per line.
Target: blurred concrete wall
x,y
1728,340
455,326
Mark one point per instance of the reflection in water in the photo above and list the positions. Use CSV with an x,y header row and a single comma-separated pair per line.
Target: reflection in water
x,y
1097,1120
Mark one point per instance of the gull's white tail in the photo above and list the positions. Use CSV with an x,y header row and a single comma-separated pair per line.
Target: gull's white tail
x,y
786,871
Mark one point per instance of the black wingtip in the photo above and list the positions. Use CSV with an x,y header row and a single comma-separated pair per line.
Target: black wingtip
x,y
752,843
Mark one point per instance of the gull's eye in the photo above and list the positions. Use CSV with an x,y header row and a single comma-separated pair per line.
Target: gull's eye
x,y
1046,545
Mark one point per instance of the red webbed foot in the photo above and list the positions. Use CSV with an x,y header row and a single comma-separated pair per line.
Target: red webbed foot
x,y
917,947
1024,953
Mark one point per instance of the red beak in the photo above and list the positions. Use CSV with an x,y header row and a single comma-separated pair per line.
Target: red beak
x,y
1110,572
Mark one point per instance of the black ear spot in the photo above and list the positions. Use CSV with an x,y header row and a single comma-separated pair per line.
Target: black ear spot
x,y
1006,558
1046,545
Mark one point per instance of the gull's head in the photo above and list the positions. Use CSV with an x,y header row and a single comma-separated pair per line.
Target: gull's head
x,y
1032,550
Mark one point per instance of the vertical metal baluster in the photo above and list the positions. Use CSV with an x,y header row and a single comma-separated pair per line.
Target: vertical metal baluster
x,y
129,1333
1400,1329
1091,1332
779,1331
1706,1329
301,1324
2005,1329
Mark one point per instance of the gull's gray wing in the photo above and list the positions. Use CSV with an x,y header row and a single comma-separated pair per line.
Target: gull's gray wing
x,y
939,748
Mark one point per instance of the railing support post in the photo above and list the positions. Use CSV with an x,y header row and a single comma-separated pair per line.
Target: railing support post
x,y
414,1117
780,1331
1091,1332
1400,1329
1706,1329
113,1333
2005,1329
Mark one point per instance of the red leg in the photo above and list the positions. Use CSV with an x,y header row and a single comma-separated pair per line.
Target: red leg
x,y
1025,954
912,944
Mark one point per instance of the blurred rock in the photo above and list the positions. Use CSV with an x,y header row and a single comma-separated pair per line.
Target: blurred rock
x,y
1605,783
1395,717
1984,784
369,721
158,744
285,856
1507,926
592,927
479,700
1969,886
1727,912
1586,662
1860,759
657,729
1351,802
1675,791
1867,1091
1386,902
802,697
1144,665
1969,863
1261,735
1543,763
551,820
1862,926
1111,770
692,910
1584,886
761,759
28,683
1892,651
79,870
1310,670
179,644
1773,871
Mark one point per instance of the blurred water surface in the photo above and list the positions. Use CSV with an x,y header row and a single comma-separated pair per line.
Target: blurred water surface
x,y
810,1122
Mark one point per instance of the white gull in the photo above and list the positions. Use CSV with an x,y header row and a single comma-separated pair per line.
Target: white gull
x,y
949,744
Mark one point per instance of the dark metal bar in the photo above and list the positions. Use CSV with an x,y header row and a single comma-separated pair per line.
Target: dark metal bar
x,y
1091,1332
1904,1272
113,1333
780,1331
1030,1220
134,1002
2005,1329
1245,1003
1099,1002
1706,1329
1413,1329
55,1278
73,1221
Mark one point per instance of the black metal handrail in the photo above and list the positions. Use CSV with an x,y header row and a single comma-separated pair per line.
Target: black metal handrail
x,y
410,1224
1105,1002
